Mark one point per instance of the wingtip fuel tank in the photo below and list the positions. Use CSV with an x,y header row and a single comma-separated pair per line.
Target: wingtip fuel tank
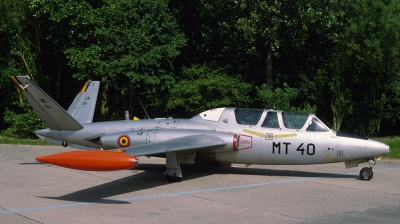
x,y
91,160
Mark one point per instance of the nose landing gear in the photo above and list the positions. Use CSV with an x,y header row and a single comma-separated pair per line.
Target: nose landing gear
x,y
366,173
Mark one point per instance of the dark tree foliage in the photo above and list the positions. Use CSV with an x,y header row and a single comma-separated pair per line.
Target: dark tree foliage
x,y
338,59
200,84
128,45
19,55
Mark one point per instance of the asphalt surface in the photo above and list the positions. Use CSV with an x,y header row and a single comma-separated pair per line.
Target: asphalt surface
x,y
33,192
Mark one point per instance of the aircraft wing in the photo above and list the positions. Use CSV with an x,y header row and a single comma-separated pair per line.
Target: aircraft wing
x,y
192,142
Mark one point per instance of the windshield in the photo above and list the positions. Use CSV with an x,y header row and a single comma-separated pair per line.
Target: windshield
x,y
316,125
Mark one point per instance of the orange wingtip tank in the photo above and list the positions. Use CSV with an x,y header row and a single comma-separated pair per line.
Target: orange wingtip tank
x,y
91,160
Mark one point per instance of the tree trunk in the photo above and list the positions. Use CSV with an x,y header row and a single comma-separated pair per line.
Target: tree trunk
x,y
337,116
339,105
268,66
104,99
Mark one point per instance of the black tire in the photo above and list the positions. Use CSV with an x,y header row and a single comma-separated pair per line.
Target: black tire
x,y
173,179
366,173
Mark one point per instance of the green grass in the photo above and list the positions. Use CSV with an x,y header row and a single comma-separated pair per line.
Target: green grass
x,y
392,141
18,141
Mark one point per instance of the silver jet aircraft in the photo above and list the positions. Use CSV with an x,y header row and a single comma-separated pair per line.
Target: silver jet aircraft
x,y
223,135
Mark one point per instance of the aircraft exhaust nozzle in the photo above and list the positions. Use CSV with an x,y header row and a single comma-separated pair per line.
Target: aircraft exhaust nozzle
x,y
92,160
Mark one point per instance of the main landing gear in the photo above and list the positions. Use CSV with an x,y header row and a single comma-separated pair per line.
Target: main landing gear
x,y
366,173
174,171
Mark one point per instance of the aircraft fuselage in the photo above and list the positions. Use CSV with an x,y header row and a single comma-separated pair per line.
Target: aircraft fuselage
x,y
254,144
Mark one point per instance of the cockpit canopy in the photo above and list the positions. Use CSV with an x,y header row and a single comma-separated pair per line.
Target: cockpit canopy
x,y
289,120
266,118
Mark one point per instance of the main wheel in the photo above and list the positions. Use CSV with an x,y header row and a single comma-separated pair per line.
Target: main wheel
x,y
366,173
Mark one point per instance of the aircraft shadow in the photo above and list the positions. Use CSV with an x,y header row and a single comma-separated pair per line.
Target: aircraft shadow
x,y
152,176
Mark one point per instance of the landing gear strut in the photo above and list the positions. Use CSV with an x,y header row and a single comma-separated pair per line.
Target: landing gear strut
x,y
366,173
174,171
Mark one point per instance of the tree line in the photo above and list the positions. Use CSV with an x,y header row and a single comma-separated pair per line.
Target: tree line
x,y
338,59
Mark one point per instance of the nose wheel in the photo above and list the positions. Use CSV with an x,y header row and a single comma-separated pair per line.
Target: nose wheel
x,y
366,173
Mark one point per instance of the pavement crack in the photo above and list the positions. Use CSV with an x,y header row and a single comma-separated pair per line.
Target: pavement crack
x,y
240,207
15,152
354,188
20,215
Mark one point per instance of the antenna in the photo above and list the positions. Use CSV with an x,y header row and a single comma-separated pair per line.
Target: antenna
x,y
144,109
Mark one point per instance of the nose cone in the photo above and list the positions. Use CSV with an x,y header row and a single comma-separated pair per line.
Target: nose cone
x,y
377,148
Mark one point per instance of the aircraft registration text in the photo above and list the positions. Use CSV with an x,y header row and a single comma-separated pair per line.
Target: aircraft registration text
x,y
309,149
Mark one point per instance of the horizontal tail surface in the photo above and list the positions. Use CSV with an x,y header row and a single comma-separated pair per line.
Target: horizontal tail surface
x,y
52,114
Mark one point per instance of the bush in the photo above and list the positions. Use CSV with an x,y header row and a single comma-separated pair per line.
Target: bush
x,y
205,88
22,125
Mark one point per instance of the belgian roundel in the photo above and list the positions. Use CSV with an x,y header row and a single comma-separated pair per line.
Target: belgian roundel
x,y
124,141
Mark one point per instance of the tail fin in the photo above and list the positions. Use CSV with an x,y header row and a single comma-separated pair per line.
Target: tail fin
x,y
52,114
82,108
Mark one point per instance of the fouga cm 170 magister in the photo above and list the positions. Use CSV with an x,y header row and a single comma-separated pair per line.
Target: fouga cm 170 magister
x,y
222,135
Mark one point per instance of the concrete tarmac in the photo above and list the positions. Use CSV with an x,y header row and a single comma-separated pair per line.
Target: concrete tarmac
x,y
33,192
